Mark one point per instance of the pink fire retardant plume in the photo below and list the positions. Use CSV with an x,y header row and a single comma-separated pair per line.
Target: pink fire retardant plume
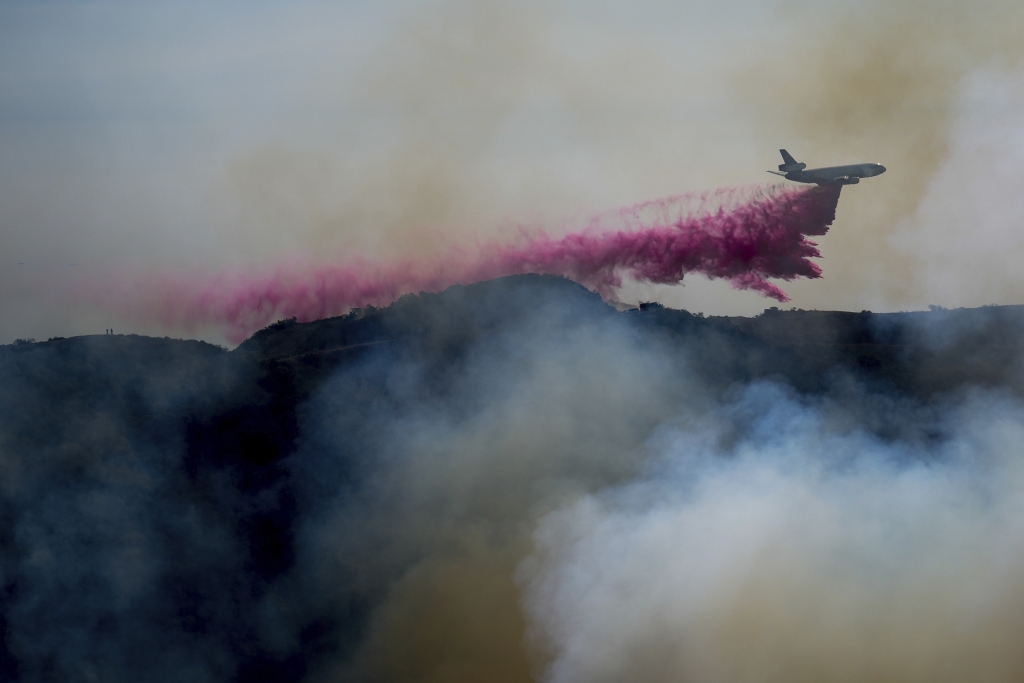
x,y
744,236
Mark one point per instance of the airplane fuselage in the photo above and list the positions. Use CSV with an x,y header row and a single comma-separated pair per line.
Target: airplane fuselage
x,y
848,175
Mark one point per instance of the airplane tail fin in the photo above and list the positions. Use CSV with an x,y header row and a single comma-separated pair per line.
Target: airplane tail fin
x,y
791,163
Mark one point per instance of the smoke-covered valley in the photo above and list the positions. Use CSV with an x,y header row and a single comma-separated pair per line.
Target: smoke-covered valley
x,y
514,481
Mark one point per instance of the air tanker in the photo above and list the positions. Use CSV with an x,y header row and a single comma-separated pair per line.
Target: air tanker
x,y
830,175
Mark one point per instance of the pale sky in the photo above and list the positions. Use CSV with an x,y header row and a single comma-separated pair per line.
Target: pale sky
x,y
143,136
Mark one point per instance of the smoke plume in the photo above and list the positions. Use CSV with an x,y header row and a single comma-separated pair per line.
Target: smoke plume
x,y
745,237
772,542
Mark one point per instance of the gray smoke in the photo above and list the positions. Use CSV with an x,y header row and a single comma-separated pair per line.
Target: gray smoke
x,y
779,540
535,416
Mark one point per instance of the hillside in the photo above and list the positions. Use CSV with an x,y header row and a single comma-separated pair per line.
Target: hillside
x,y
172,510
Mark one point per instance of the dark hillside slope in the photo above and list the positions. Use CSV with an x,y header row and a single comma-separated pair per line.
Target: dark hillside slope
x,y
155,493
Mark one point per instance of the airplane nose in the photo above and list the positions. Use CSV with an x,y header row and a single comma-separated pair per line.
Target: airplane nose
x,y
879,169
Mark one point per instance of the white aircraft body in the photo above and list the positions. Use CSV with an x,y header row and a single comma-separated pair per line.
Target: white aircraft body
x,y
830,175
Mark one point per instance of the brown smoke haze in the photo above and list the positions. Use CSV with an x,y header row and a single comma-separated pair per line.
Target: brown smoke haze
x,y
338,132
403,177
878,80
477,117
443,146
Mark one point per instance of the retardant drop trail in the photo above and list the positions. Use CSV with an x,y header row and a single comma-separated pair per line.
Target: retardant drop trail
x,y
746,236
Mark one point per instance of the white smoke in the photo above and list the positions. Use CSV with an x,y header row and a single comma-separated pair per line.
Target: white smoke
x,y
967,236
780,542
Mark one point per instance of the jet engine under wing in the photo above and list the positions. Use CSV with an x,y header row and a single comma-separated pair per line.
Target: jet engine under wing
x,y
828,175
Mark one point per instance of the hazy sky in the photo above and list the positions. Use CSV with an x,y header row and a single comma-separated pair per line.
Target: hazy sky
x,y
142,136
